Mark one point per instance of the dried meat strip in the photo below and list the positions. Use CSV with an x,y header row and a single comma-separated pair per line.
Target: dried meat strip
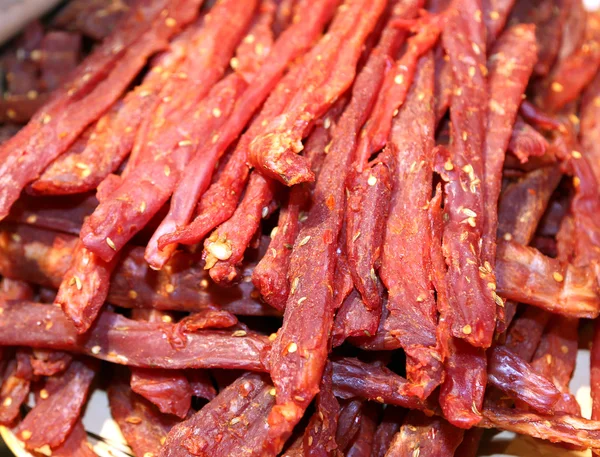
x,y
332,64
123,341
164,137
406,264
386,430
495,15
59,55
557,428
49,363
510,66
576,71
590,124
43,257
363,441
94,86
76,444
472,307
526,142
52,418
348,423
169,390
95,19
233,423
14,289
224,249
525,275
517,378
526,332
311,283
14,391
144,428
354,319
201,384
595,371
425,437
220,202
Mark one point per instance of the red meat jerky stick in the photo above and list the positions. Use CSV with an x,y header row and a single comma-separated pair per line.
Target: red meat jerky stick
x,y
51,419
169,390
595,372
348,423
105,144
354,319
95,19
510,66
564,428
59,57
140,344
16,382
202,384
94,86
526,332
386,430
143,427
590,125
575,72
165,150
525,275
472,307
425,437
76,444
14,289
270,274
332,64
363,441
311,292
225,247
43,257
519,380
234,423
291,43
405,264
526,142
495,14
45,362
319,436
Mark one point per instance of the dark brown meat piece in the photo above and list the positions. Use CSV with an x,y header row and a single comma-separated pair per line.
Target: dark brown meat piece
x,y
362,443
526,332
52,418
143,426
123,341
386,430
234,423
425,437
348,423
95,19
59,55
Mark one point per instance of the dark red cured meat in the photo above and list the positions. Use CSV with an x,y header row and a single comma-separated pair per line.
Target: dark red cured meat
x,y
354,319
76,444
291,43
564,428
20,108
355,379
59,55
348,423
472,307
510,66
283,15
164,137
595,372
120,340
367,202
443,85
85,287
319,436
270,274
233,423
142,425
49,363
14,391
14,289
332,68
95,18
511,374
461,394
210,317
224,249
52,418
572,74
526,332
396,85
555,359
406,265
386,430
525,275
470,443
363,441
21,74
94,86
314,280
590,125
63,214
43,257
425,437
573,30
201,384
495,14
526,142
169,390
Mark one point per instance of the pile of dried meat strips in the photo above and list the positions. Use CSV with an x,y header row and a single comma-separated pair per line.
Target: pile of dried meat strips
x,y
300,227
